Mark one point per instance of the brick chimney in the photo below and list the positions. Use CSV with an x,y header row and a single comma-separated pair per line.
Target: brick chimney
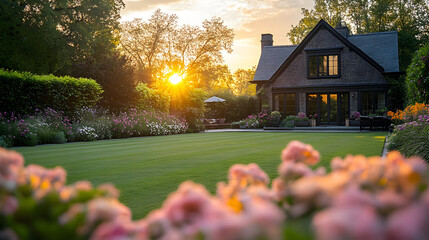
x,y
266,40
342,29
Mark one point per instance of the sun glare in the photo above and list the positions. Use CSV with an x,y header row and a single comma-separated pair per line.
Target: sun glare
x,y
175,78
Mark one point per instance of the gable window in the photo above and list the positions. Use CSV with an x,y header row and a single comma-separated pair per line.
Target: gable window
x,y
323,66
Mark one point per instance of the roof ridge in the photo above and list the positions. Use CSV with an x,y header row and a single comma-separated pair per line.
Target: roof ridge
x,y
374,33
280,46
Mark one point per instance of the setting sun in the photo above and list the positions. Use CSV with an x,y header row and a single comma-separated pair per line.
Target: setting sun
x,y
175,78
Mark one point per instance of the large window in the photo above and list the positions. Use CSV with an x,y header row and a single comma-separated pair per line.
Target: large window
x,y
323,66
285,103
372,101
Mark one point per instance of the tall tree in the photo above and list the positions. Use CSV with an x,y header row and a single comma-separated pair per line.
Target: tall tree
x,y
331,11
160,46
48,36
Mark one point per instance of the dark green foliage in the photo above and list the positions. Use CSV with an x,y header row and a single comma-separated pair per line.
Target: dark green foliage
x,y
3,142
58,138
48,36
45,134
235,108
417,81
23,92
413,141
115,76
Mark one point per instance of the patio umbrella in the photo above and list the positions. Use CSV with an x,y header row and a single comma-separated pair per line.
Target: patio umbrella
x,y
214,99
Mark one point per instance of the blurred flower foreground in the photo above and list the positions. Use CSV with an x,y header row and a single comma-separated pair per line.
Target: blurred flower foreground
x,y
360,198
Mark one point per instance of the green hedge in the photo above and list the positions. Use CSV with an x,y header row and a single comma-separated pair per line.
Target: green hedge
x,y
24,92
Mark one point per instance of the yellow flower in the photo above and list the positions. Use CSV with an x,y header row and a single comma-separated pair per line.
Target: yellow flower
x,y
235,204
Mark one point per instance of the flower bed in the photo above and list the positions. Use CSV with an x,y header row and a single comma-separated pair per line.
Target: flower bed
x,y
50,126
361,198
260,120
411,133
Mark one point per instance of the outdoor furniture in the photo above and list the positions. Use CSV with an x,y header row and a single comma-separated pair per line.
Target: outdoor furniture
x,y
365,122
376,122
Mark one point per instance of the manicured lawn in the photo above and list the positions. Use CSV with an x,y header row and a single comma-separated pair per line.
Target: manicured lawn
x,y
147,169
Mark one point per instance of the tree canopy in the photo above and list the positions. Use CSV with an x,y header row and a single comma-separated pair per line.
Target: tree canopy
x,y
160,47
48,36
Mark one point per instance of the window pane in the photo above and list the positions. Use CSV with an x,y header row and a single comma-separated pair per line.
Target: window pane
x,y
281,103
333,65
367,107
333,108
324,107
380,100
290,104
323,65
311,104
344,106
313,66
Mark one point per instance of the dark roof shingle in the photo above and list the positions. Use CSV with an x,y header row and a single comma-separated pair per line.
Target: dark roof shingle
x,y
382,47
272,57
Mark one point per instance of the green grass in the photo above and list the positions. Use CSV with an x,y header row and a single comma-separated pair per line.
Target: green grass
x,y
147,169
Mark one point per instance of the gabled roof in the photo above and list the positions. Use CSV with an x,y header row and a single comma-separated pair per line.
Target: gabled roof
x,y
381,46
272,57
378,49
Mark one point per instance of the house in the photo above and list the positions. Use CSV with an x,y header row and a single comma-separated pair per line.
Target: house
x,y
330,73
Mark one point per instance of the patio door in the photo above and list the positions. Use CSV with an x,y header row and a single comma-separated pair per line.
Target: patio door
x,y
331,108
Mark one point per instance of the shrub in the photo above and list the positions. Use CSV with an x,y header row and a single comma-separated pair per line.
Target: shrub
x,y
59,138
24,92
152,99
84,133
289,124
3,143
361,198
235,108
355,115
412,138
275,119
410,113
417,81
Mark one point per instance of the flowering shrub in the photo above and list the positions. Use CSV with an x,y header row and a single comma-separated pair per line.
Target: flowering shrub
x,y
50,126
302,116
417,80
261,120
355,115
361,198
314,116
85,133
411,133
410,113
135,123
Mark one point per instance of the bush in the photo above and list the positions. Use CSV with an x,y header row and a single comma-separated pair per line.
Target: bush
x,y
289,124
417,81
152,99
412,138
84,133
3,143
24,92
360,198
235,108
59,138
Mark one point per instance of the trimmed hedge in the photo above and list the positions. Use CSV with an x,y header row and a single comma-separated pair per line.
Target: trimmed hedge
x,y
23,92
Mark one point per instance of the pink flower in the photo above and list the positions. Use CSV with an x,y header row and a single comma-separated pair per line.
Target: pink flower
x,y
11,163
297,151
360,223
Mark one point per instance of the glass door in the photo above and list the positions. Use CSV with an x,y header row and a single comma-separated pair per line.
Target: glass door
x,y
331,108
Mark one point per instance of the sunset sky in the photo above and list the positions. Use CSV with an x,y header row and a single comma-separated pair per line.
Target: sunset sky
x,y
249,18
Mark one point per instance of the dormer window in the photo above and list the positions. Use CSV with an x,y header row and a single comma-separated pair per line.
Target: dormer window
x,y
323,64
